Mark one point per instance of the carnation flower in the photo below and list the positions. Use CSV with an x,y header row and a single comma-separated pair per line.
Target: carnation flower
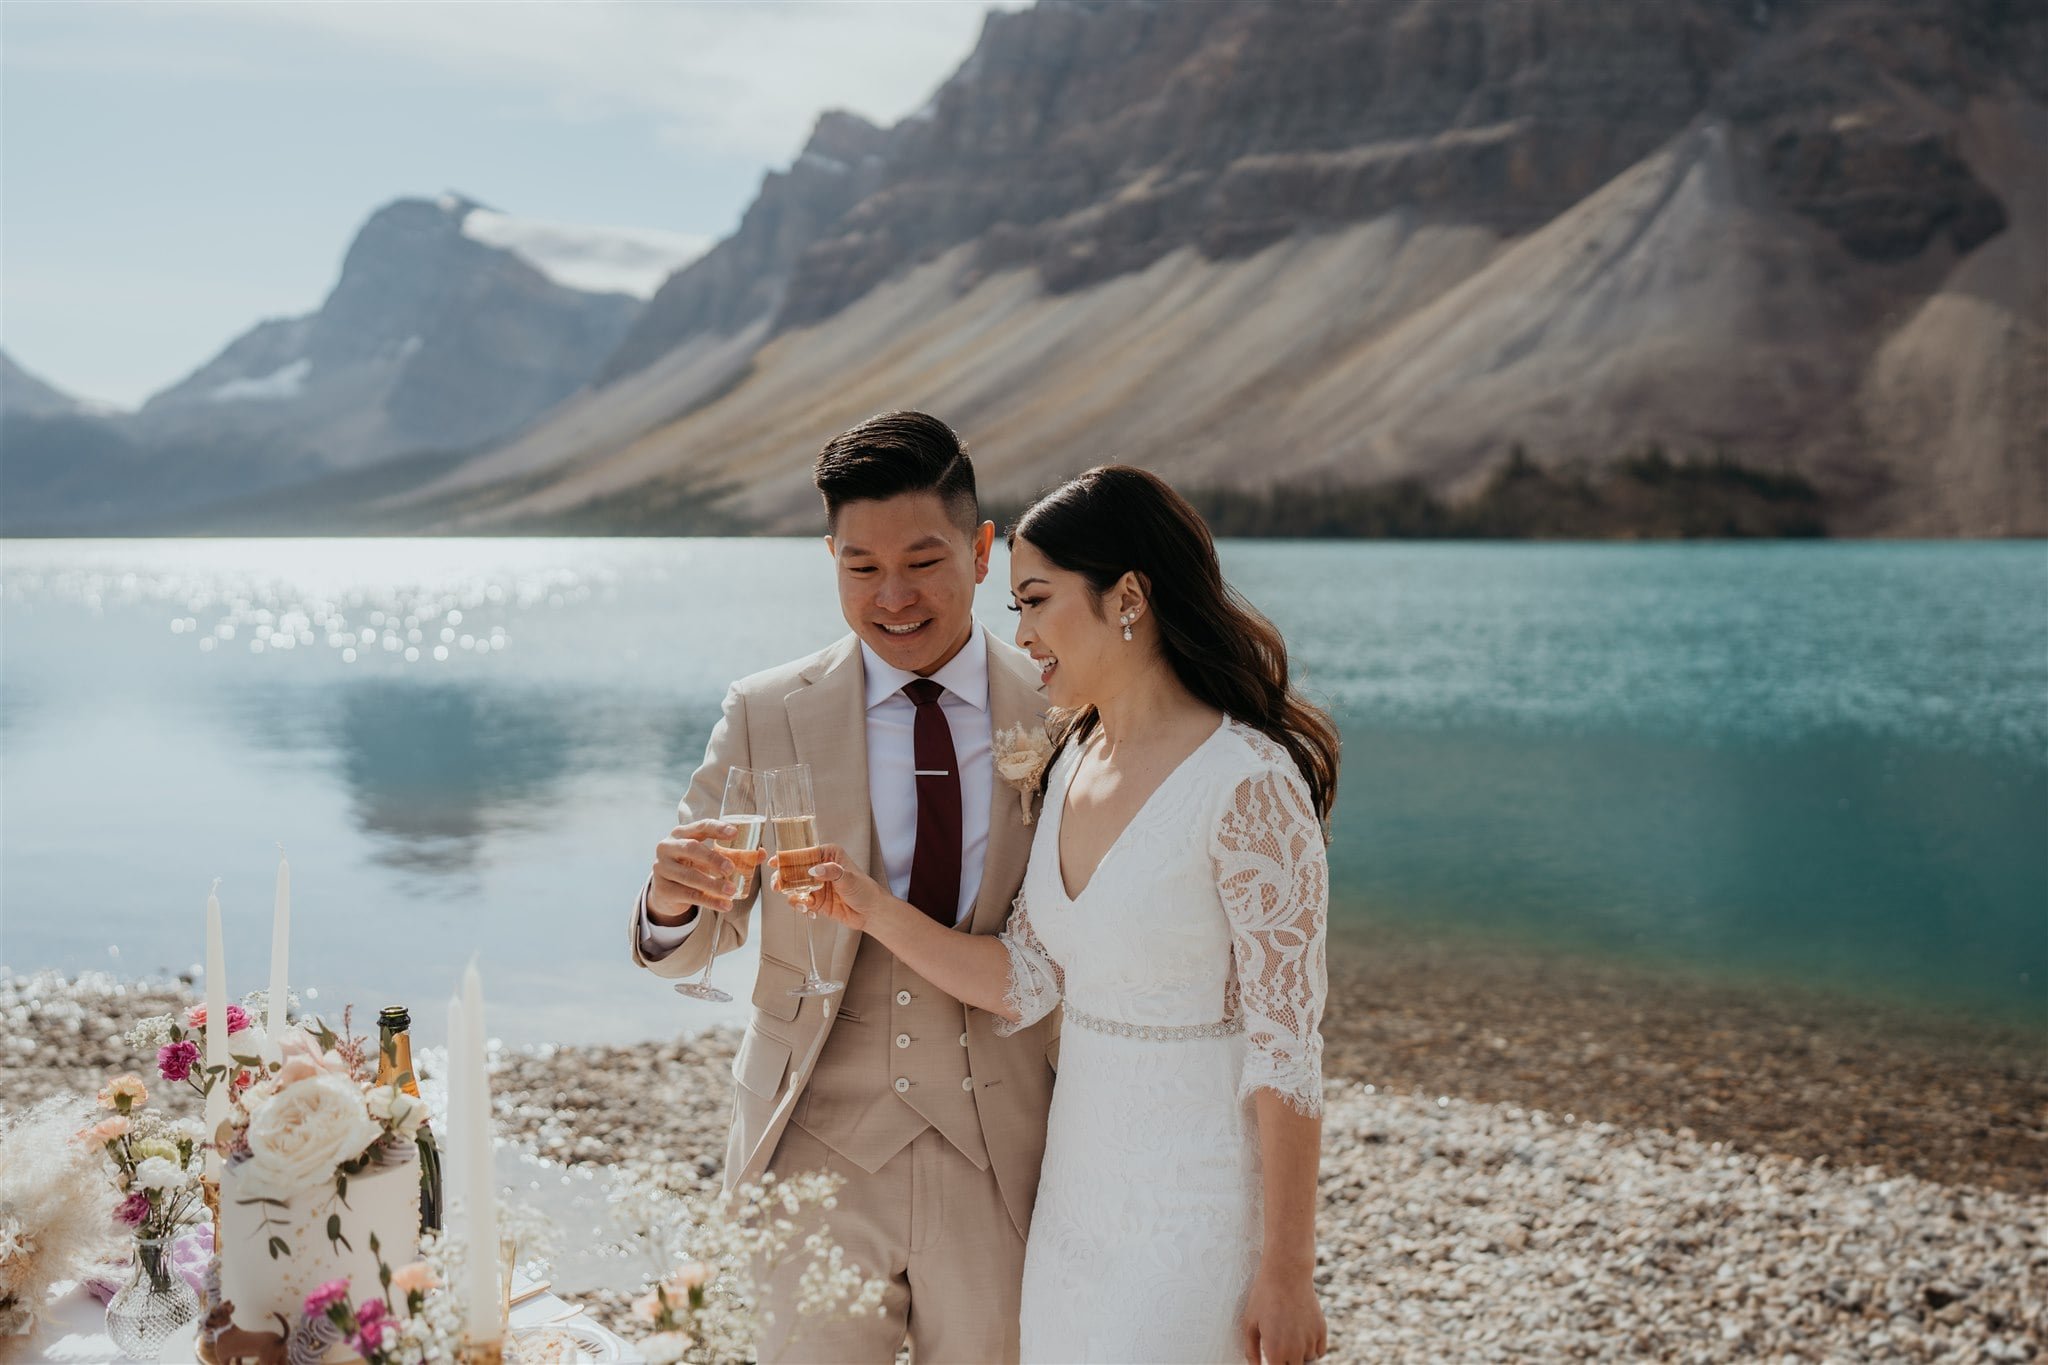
x,y
691,1276
159,1173
105,1131
238,1018
174,1060
417,1278
156,1146
132,1210
124,1093
325,1297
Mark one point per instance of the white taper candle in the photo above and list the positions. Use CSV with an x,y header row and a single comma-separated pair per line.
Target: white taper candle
x,y
481,1299
216,1026
280,951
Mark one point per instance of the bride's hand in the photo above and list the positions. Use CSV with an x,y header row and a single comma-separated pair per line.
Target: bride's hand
x,y
847,894
1283,1323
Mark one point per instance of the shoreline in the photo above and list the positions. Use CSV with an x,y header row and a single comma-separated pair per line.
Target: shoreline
x,y
1523,1158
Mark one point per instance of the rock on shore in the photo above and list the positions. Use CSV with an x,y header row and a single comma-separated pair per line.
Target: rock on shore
x,y
1450,1230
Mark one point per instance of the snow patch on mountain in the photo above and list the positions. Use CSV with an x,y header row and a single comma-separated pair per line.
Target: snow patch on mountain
x,y
286,382
599,260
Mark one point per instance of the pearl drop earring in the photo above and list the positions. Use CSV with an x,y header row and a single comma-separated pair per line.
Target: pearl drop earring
x,y
1127,618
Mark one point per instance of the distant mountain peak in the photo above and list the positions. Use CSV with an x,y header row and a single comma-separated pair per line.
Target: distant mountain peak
x,y
25,394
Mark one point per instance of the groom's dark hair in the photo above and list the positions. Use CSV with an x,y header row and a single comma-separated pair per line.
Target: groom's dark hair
x,y
897,452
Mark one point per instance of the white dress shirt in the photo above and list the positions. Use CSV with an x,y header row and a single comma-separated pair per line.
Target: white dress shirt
x,y
892,775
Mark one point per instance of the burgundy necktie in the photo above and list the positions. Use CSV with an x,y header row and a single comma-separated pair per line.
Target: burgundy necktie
x,y
935,866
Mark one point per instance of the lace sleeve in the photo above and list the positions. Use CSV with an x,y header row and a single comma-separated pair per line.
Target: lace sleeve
x,y
1035,979
1274,877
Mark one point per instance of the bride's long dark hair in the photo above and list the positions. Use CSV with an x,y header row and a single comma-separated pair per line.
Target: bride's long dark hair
x,y
1116,519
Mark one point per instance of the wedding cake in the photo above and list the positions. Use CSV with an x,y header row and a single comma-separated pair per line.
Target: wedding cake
x,y
319,1202
275,1253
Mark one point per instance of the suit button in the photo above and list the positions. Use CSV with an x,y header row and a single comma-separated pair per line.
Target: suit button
x,y
903,1040
902,1084
967,1082
963,1040
903,997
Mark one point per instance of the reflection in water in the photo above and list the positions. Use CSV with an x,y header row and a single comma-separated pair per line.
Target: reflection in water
x,y
1821,763
432,767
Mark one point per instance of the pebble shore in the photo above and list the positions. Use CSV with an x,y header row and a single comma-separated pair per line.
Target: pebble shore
x,y
1636,1215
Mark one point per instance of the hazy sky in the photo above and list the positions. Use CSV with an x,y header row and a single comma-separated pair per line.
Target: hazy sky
x,y
171,173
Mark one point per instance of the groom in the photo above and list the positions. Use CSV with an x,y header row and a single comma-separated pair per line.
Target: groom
x,y
936,1124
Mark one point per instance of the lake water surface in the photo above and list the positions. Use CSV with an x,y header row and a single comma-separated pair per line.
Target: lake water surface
x,y
1810,763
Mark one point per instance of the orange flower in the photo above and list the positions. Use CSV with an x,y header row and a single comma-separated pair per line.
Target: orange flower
x,y
124,1093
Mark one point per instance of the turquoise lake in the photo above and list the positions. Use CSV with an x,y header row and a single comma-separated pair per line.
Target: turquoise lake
x,y
1819,764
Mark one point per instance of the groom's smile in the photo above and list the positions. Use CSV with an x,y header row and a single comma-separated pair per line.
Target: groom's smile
x,y
907,568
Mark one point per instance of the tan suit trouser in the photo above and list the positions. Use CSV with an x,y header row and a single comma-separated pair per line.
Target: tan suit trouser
x,y
936,1229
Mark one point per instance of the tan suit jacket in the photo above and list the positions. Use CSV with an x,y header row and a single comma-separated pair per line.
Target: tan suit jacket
x,y
988,1095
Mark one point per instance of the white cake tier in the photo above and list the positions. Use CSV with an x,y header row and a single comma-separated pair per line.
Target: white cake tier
x,y
269,1292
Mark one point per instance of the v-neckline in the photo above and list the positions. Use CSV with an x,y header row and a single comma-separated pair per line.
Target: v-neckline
x,y
1059,862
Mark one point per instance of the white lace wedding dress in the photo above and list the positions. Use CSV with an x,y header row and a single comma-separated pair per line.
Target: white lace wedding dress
x,y
1193,972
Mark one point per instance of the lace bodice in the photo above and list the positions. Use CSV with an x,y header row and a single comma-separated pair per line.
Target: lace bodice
x,y
1212,904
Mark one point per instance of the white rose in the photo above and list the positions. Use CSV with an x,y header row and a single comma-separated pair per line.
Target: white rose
x,y
159,1173
305,1131
399,1111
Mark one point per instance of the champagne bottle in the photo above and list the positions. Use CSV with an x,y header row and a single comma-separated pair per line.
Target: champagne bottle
x,y
394,1067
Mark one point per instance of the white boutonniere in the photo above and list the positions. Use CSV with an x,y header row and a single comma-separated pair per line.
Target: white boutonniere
x,y
1021,757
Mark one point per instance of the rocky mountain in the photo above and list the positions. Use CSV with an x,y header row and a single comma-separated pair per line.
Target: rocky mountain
x,y
1369,246
1367,241
448,330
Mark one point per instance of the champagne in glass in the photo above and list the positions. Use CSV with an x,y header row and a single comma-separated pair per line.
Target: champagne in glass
x,y
744,809
796,836
794,811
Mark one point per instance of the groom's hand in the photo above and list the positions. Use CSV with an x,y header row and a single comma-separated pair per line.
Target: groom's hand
x,y
690,871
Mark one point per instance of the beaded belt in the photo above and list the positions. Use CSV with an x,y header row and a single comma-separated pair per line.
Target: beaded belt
x,y
1222,1028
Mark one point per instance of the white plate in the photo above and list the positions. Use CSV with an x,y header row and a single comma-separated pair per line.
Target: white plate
x,y
592,1346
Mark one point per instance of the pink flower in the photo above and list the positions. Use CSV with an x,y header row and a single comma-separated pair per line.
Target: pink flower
x,y
132,1210
325,1297
412,1279
105,1131
372,1311
124,1093
691,1276
238,1018
303,1058
174,1060
375,1336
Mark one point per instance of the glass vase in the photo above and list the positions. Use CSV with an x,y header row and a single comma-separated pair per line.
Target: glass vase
x,y
154,1303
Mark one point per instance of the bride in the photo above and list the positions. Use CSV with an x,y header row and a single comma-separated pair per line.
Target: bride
x,y
1175,901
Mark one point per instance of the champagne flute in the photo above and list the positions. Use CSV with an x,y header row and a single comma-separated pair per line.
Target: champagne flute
x,y
744,809
794,811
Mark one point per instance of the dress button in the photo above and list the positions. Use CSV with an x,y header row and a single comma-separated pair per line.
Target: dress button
x,y
963,1040
903,997
902,1084
903,1040
967,1082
